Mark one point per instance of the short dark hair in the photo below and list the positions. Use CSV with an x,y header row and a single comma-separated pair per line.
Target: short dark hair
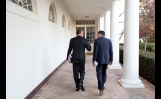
x,y
79,31
101,32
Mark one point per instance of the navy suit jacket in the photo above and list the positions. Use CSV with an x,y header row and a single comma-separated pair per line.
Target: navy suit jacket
x,y
103,52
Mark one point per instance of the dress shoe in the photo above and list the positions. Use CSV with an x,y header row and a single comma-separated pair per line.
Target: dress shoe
x,y
103,88
101,92
77,89
82,88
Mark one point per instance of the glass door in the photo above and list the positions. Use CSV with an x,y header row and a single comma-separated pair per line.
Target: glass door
x,y
81,28
90,34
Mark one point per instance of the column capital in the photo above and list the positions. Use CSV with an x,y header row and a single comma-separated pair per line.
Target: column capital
x,y
106,11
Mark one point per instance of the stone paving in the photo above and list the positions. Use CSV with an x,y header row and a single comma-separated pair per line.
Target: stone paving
x,y
61,85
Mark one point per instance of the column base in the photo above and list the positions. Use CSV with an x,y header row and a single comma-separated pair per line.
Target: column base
x,y
131,83
115,66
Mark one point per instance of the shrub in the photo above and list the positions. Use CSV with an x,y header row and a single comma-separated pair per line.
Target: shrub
x,y
146,64
141,46
121,54
121,44
149,47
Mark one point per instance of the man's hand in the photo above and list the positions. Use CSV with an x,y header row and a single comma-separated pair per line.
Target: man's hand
x,y
111,63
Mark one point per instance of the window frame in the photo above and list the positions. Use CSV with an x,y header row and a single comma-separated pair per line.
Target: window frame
x,y
26,7
52,5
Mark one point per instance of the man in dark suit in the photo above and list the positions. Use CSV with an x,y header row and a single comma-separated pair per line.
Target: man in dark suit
x,y
78,45
103,55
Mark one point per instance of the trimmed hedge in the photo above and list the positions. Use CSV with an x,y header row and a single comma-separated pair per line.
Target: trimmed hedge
x,y
121,44
121,55
146,64
149,47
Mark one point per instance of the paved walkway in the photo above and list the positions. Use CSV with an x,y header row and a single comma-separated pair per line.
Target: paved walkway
x,y
61,85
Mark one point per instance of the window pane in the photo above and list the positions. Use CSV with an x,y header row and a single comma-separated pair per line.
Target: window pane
x,y
76,22
27,4
80,22
87,36
51,14
84,21
90,22
25,7
20,4
90,37
63,21
93,37
93,21
24,3
90,33
30,8
29,1
14,1
87,33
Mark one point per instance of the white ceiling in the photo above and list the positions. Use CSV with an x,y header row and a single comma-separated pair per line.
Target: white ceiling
x,y
81,8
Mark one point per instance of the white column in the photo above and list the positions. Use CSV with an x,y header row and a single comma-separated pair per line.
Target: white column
x,y
114,34
107,23
130,77
98,23
101,23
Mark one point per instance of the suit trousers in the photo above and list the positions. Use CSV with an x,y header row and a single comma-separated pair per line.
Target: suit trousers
x,y
78,68
101,75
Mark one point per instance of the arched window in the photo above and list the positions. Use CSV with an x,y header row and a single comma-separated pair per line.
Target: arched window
x,y
52,13
27,4
69,25
63,21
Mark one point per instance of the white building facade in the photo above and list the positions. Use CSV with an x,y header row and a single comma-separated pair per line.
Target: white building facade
x,y
38,34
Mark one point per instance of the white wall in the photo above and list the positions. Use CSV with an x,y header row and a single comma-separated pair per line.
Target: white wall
x,y
101,27
34,46
73,28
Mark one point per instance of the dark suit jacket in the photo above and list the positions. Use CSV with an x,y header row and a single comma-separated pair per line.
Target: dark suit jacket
x,y
78,45
103,52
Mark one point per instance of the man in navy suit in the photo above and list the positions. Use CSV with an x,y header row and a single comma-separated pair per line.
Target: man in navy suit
x,y
103,55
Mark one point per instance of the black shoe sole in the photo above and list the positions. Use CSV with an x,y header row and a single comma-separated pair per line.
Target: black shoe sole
x,y
82,89
77,89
